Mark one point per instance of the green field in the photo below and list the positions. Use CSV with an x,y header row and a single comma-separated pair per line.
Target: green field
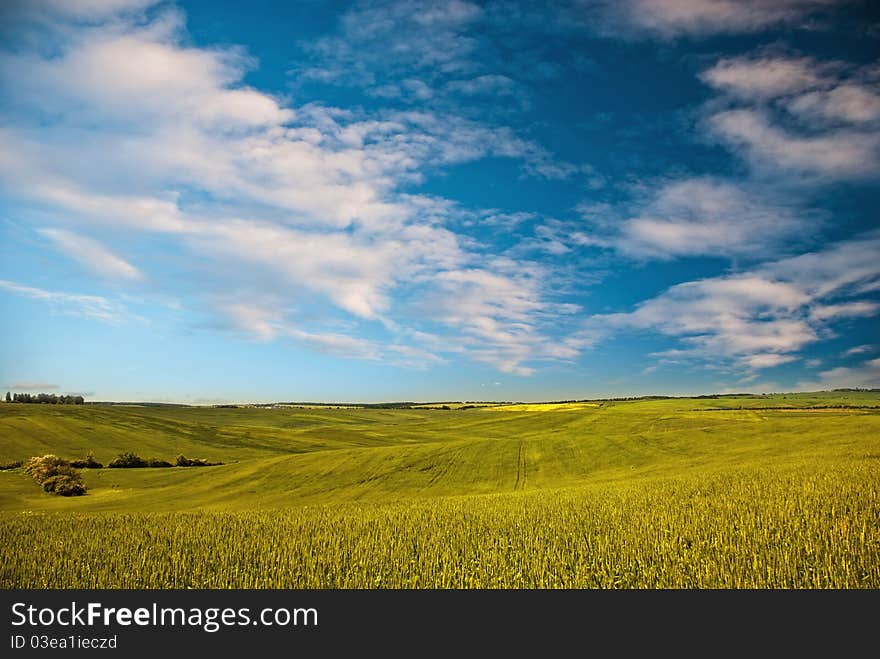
x,y
777,491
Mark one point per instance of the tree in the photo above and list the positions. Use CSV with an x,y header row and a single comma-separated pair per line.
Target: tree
x,y
8,397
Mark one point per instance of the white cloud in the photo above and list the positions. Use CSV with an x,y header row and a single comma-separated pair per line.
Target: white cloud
x,y
837,154
848,102
859,350
92,255
144,73
768,360
864,376
762,318
388,49
702,217
183,116
338,344
260,321
762,78
798,116
418,89
84,9
501,314
350,272
844,310
484,84
672,18
453,12
816,91
848,267
399,34
87,306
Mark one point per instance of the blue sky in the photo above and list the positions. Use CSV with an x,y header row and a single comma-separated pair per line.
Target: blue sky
x,y
410,200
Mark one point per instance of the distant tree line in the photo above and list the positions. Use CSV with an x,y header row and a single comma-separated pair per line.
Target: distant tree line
x,y
50,399
130,460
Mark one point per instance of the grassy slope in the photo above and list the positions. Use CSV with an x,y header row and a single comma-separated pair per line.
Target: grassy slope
x,y
290,457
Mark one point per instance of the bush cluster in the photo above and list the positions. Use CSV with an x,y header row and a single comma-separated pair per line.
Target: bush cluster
x,y
183,461
88,462
56,475
134,461
45,467
156,462
127,461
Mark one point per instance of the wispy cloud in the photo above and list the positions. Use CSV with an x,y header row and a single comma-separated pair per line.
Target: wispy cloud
x,y
700,217
86,9
859,350
484,84
748,319
87,306
866,375
863,308
92,255
673,18
419,35
502,315
269,321
389,50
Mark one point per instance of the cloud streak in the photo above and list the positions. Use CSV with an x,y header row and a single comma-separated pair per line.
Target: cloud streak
x,y
669,19
92,255
94,307
762,318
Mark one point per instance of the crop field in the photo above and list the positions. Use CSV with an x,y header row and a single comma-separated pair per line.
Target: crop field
x,y
777,491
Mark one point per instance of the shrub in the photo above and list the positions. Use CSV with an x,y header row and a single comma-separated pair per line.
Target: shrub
x,y
183,461
156,462
65,485
127,461
133,461
42,467
56,475
10,465
88,462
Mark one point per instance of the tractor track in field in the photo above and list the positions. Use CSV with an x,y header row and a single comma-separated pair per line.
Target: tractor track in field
x,y
444,467
520,469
